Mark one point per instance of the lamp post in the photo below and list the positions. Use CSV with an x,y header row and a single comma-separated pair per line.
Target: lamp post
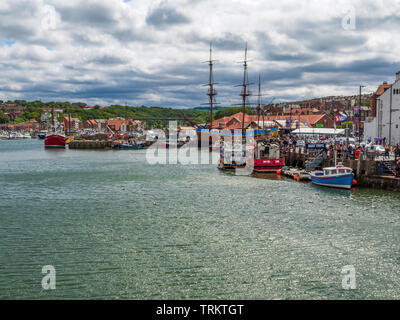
x,y
359,119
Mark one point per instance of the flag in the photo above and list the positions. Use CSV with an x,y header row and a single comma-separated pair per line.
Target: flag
x,y
340,117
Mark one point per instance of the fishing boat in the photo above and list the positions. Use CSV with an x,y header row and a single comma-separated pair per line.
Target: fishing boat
x,y
267,156
42,134
338,176
127,146
53,139
232,156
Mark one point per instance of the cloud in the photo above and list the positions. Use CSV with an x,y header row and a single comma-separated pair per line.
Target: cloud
x,y
151,52
164,16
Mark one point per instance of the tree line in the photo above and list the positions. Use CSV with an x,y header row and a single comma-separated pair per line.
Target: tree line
x,y
35,109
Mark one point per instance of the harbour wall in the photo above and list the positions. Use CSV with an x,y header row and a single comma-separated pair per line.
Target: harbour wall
x,y
90,144
366,171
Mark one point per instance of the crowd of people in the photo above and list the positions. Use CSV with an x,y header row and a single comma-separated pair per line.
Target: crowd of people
x,y
350,151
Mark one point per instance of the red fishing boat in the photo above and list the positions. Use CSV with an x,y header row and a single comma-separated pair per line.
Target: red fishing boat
x,y
267,157
54,141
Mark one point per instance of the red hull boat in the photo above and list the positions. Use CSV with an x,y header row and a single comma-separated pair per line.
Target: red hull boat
x,y
268,165
54,141
267,158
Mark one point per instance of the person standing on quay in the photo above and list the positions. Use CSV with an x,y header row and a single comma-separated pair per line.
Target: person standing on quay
x,y
357,153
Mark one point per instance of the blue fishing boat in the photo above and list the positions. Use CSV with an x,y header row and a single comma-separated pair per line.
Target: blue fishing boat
x,y
335,177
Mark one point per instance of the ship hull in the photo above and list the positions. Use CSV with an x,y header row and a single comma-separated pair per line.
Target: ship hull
x,y
54,141
340,181
268,165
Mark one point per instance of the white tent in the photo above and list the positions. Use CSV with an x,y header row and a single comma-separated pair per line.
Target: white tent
x,y
314,131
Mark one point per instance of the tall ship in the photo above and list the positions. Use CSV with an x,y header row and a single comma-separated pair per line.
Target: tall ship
x,y
265,150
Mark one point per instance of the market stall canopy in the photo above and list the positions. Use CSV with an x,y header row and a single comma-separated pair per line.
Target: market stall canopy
x,y
313,131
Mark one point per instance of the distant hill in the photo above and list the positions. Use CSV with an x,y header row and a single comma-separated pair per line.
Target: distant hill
x,y
34,109
208,108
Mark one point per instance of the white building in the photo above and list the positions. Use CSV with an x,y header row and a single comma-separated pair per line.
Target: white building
x,y
386,124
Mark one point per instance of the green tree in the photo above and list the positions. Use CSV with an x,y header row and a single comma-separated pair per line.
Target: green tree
x,y
4,118
230,111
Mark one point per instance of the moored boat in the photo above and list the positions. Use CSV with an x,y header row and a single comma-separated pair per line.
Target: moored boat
x,y
126,146
267,157
54,141
335,177
42,134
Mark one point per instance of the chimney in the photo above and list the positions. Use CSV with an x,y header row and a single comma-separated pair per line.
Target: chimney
x,y
397,75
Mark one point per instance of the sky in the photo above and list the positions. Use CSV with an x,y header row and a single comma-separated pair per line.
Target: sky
x,y
152,52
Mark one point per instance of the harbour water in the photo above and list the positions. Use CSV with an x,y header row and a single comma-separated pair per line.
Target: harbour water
x,y
116,227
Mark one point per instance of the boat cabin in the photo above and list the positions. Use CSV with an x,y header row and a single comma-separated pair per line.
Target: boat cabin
x,y
267,150
336,170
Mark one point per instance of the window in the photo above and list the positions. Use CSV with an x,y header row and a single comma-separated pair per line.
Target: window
x,y
342,171
333,171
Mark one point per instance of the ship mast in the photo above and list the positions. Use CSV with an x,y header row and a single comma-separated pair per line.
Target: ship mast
x,y
259,101
245,93
52,117
211,91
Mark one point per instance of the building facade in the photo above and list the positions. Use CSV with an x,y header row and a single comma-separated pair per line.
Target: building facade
x,y
386,124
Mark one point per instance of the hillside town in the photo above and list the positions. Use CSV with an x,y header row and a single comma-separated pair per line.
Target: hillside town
x,y
373,116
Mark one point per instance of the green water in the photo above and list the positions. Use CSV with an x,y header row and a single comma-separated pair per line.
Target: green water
x,y
115,227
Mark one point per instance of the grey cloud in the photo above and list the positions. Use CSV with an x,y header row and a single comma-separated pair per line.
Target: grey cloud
x,y
165,16
107,60
223,41
88,13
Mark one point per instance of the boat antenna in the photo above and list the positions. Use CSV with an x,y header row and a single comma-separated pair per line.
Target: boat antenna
x,y
211,91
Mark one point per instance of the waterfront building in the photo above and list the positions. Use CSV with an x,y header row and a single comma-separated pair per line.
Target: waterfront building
x,y
122,125
386,123
75,123
307,120
90,124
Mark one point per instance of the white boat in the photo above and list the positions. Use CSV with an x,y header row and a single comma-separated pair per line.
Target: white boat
x,y
21,135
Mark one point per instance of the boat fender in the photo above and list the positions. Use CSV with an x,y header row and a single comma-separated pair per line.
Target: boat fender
x,y
278,172
354,182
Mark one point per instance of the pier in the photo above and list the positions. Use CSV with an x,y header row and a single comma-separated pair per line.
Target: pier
x,y
368,171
